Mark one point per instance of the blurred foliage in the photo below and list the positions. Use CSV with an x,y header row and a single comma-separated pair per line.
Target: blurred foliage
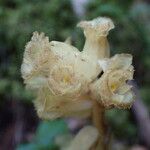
x,y
132,31
131,35
146,96
121,125
45,134
19,18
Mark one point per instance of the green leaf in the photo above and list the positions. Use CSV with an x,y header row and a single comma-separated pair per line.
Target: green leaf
x,y
47,130
31,146
35,146
45,134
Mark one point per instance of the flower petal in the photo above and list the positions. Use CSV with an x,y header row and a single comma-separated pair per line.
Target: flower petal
x,y
100,25
112,88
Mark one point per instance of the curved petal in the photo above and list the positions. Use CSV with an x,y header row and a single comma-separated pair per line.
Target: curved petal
x,y
50,106
36,61
99,26
112,88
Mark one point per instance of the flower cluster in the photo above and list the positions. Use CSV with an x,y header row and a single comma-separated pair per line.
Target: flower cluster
x,y
66,80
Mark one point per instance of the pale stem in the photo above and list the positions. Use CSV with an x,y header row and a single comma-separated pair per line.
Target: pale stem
x,y
98,118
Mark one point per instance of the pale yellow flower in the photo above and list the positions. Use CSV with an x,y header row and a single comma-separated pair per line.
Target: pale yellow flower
x,y
37,61
51,106
112,88
96,31
56,78
63,77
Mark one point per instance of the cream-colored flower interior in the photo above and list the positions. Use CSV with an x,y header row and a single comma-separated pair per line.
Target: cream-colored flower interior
x,y
112,89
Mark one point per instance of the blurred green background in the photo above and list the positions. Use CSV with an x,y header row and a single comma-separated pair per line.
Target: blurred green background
x,y
20,127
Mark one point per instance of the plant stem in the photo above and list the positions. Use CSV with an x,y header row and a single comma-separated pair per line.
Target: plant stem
x,y
99,122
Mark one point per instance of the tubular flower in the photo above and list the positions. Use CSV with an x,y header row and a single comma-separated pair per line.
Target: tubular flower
x,y
96,31
112,88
